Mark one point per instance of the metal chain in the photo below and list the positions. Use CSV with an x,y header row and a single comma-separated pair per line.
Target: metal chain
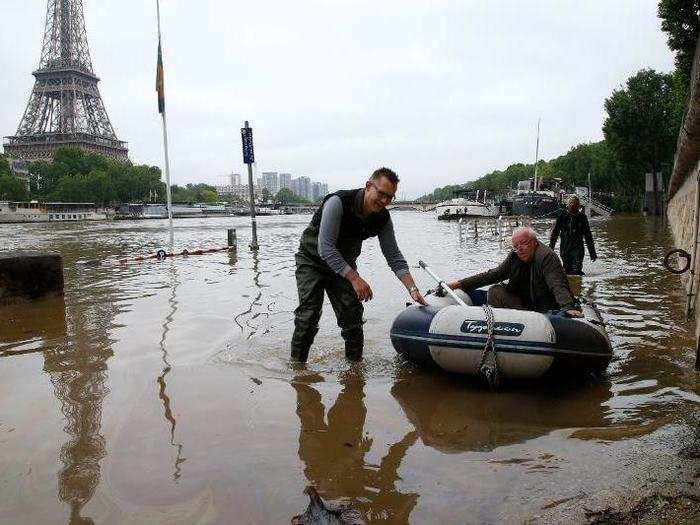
x,y
488,364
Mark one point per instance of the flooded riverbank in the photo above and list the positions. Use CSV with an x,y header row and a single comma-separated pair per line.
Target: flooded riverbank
x,y
160,392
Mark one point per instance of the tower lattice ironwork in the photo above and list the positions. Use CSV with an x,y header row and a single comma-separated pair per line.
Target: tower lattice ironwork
x,y
65,107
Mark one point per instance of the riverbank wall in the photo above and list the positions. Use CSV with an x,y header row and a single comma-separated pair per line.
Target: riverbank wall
x,y
684,186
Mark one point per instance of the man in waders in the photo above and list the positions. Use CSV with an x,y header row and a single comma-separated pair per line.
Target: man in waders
x,y
574,228
326,261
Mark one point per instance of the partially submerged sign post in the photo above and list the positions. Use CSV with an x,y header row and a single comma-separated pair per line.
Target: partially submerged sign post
x,y
249,159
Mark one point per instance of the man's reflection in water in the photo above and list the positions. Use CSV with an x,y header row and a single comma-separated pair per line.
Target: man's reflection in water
x,y
334,452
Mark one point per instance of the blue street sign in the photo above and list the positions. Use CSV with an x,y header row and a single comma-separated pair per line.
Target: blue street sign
x,y
247,139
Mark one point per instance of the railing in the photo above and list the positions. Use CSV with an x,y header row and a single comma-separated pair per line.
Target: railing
x,y
599,208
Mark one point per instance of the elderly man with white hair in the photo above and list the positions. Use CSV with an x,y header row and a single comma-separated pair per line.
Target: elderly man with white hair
x,y
536,278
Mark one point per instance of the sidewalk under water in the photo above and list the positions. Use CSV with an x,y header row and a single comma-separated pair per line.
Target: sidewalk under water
x,y
160,391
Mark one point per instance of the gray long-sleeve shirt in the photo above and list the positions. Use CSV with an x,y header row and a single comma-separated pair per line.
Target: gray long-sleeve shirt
x,y
329,230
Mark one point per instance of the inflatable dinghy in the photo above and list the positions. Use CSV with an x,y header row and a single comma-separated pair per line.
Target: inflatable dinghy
x,y
526,344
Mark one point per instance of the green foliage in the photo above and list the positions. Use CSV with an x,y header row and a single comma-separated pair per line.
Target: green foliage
x,y
287,196
641,128
77,176
444,193
571,168
4,165
11,188
210,196
194,193
681,20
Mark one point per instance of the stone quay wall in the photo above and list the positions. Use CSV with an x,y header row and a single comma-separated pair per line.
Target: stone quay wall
x,y
681,219
684,182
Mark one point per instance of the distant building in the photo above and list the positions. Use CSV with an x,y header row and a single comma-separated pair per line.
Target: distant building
x,y
305,188
324,189
270,182
286,181
235,179
238,192
318,191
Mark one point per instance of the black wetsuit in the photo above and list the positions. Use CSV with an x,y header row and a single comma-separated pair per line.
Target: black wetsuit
x,y
574,228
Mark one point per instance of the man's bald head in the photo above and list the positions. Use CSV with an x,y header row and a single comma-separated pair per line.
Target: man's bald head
x,y
524,243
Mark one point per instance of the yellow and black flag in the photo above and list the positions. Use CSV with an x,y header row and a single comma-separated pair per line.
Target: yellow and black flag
x,y
160,81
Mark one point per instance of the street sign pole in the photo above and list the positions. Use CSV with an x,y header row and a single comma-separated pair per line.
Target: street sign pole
x,y
249,159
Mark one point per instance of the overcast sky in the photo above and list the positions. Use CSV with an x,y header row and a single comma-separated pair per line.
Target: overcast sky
x,y
441,91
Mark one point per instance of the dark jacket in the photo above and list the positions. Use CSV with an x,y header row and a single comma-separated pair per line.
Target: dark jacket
x,y
354,228
541,284
573,228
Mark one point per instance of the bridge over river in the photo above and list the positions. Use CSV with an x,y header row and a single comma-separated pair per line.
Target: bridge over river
x,y
412,205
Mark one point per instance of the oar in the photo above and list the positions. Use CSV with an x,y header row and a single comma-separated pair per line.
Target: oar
x,y
442,284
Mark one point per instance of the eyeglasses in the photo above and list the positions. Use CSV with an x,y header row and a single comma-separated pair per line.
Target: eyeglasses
x,y
388,197
521,244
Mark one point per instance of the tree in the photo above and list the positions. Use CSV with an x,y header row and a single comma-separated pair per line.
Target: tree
x,y
194,193
681,20
4,165
209,196
79,176
70,189
11,188
287,196
266,194
640,127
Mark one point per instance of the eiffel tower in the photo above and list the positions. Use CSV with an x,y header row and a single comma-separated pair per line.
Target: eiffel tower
x,y
65,107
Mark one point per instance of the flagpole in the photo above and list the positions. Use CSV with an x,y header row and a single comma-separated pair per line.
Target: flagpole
x,y
165,148
537,151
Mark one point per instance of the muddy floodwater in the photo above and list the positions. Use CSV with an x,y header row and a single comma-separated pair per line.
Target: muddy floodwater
x,y
160,392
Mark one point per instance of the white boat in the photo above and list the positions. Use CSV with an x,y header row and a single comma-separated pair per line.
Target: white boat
x,y
263,210
461,207
34,211
527,344
185,210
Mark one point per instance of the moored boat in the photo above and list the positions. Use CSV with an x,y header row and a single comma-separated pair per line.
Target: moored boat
x,y
527,344
472,203
34,211
536,202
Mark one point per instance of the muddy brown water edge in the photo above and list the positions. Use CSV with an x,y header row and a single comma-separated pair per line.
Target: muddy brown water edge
x,y
160,392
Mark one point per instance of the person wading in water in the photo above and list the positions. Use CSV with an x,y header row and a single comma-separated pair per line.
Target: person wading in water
x,y
574,228
326,261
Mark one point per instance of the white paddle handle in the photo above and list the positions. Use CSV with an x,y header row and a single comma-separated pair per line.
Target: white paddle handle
x,y
442,284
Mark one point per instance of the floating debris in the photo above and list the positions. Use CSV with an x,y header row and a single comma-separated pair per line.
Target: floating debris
x,y
318,513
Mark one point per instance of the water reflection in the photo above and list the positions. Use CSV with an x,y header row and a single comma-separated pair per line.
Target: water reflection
x,y
451,417
641,302
78,372
162,385
244,318
48,326
334,452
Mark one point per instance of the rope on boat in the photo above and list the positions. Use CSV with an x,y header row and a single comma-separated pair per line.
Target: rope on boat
x,y
488,365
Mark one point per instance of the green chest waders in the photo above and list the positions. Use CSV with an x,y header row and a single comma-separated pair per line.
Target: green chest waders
x,y
314,277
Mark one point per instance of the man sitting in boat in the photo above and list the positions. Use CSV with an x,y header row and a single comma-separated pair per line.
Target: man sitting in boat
x,y
536,278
